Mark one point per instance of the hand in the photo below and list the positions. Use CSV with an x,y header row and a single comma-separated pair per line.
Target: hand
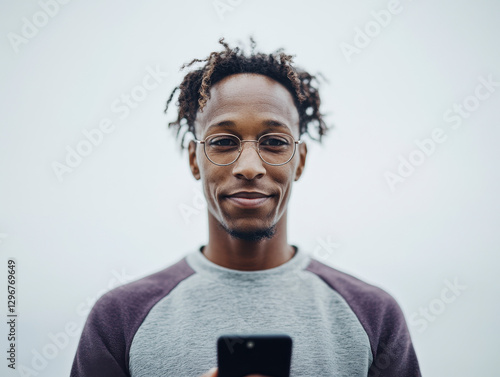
x,y
215,371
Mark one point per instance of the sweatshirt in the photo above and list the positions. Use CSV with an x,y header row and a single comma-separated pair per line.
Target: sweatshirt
x,y
167,323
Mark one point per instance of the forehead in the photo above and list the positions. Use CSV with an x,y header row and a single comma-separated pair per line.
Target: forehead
x,y
249,101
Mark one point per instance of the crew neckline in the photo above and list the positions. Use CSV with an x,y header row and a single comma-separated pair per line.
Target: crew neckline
x,y
202,265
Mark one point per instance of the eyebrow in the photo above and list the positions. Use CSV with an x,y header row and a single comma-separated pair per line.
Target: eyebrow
x,y
267,123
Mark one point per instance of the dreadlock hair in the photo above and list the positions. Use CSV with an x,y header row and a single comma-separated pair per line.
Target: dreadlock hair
x,y
195,87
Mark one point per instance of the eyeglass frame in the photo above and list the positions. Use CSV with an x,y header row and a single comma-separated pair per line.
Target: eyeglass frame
x,y
295,143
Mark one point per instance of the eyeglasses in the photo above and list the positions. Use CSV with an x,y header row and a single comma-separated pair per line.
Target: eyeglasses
x,y
273,148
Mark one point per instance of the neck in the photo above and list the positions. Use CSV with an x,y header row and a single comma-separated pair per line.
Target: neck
x,y
238,254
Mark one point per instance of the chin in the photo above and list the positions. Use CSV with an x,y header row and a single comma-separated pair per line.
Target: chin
x,y
250,233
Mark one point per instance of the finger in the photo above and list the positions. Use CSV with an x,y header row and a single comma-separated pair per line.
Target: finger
x,y
213,372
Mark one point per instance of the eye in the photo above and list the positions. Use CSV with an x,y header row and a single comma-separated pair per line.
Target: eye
x,y
222,141
274,141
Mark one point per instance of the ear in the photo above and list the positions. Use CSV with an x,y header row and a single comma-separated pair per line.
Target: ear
x,y
302,150
193,163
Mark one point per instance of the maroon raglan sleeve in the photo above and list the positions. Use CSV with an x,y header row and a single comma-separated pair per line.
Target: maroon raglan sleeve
x,y
381,317
103,349
393,350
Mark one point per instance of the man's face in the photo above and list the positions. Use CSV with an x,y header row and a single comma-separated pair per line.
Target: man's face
x,y
248,106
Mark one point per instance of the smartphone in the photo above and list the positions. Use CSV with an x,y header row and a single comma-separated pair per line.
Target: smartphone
x,y
267,354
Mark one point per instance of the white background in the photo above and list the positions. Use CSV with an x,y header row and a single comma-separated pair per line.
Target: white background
x,y
118,213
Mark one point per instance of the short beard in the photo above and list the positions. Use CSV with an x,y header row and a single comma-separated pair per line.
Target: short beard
x,y
253,236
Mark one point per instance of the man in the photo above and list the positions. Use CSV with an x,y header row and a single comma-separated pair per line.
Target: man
x,y
247,115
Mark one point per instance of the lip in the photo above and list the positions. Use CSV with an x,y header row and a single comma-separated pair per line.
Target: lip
x,y
248,194
248,202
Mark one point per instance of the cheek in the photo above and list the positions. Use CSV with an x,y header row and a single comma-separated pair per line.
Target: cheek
x,y
212,178
283,178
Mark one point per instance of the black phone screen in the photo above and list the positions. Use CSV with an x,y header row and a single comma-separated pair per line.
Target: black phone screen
x,y
267,354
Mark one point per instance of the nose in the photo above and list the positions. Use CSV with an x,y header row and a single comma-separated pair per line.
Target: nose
x,y
249,164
